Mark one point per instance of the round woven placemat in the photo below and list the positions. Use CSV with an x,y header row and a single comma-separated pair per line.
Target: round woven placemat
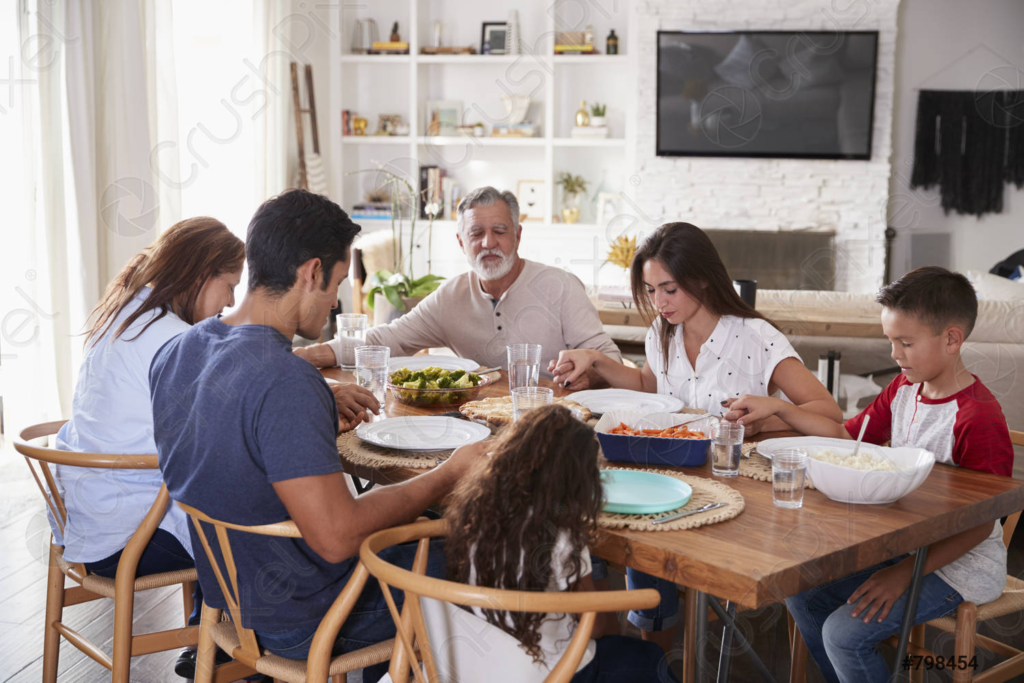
x,y
358,452
759,468
704,491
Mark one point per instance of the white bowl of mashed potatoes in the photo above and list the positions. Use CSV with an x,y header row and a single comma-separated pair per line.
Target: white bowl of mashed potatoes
x,y
876,476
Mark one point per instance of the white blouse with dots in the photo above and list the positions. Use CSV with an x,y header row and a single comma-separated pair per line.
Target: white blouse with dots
x,y
737,359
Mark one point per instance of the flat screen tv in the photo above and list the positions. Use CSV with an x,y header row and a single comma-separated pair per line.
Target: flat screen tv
x,y
798,94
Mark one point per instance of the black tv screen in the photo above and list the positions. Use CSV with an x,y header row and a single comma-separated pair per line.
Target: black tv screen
x,y
806,94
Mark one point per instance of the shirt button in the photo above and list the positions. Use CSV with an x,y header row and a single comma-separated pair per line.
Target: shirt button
x,y
499,327
498,313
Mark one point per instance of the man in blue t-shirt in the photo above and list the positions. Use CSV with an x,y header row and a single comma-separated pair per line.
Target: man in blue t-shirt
x,y
245,431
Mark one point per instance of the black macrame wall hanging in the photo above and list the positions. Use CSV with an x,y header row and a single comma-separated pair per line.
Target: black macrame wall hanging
x,y
969,144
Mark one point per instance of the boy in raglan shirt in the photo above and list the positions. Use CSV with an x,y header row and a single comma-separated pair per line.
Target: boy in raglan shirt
x,y
935,404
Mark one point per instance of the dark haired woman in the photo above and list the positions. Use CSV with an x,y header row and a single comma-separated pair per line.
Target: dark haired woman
x,y
187,275
706,347
524,522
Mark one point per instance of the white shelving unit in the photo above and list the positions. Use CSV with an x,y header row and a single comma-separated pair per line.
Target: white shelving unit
x,y
384,84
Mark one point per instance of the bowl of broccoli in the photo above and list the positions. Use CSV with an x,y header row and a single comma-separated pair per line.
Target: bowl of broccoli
x,y
434,386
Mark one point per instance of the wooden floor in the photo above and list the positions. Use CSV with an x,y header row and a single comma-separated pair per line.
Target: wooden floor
x,y
24,536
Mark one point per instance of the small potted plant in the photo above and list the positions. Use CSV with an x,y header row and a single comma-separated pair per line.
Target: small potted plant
x,y
572,189
597,115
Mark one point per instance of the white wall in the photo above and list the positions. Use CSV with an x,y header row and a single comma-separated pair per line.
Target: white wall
x,y
954,45
848,197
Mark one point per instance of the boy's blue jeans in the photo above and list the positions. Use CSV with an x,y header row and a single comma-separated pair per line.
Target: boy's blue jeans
x,y
844,647
658,618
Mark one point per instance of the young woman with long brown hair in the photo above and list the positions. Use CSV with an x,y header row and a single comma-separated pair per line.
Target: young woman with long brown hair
x,y
187,275
523,521
707,347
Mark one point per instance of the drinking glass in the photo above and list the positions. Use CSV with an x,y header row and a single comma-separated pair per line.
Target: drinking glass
x,y
789,468
523,365
726,447
527,398
351,334
372,372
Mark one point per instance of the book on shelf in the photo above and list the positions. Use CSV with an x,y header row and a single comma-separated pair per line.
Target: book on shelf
x,y
430,188
370,210
346,121
590,132
575,50
517,130
390,45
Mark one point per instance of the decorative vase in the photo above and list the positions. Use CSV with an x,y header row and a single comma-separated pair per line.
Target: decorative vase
x,y
582,117
570,208
597,121
384,312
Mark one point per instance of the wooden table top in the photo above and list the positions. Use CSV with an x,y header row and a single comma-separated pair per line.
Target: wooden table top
x,y
769,553
814,321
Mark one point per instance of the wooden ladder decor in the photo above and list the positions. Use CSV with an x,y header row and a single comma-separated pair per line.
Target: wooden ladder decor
x,y
299,111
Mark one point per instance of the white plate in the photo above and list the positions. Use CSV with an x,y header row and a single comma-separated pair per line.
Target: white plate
x,y
602,401
422,433
415,363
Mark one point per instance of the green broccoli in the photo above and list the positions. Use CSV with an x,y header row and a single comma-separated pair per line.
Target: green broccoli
x,y
399,376
444,382
457,375
415,384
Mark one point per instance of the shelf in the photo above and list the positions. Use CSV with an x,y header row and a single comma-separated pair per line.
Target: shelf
x,y
473,59
590,59
483,141
375,139
375,59
588,142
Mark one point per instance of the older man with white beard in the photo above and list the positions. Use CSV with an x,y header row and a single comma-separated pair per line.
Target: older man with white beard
x,y
503,300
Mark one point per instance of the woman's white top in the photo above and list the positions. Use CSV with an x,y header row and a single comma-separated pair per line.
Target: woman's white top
x,y
111,413
737,359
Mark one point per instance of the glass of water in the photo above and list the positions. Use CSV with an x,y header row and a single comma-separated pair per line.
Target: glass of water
x,y
523,365
527,398
372,372
726,447
789,468
351,334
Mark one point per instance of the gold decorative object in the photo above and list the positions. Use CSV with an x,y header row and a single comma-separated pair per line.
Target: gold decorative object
x,y
622,252
582,117
570,214
359,126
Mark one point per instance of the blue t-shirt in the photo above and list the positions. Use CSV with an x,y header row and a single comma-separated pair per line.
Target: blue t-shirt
x,y
234,410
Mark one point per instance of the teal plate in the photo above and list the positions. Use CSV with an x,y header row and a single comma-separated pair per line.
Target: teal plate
x,y
630,492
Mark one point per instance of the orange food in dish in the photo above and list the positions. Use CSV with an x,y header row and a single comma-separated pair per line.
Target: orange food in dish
x,y
678,432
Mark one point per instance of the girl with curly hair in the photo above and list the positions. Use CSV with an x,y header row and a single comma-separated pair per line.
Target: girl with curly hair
x,y
523,521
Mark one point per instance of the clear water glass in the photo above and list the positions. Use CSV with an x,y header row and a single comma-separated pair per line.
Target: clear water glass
x,y
527,398
726,448
372,372
351,334
523,365
789,469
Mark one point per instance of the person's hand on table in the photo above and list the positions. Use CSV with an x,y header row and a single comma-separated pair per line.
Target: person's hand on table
x,y
750,411
570,370
877,595
355,404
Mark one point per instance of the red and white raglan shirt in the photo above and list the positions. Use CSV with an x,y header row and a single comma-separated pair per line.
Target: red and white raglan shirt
x,y
967,429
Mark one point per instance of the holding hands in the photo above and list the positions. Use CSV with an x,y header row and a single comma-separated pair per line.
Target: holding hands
x,y
355,404
752,411
570,370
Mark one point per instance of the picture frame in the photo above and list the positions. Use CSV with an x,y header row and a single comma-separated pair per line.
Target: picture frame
x,y
532,197
494,38
609,205
443,117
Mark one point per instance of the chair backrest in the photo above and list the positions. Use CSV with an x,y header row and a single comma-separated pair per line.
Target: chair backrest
x,y
227,579
1017,439
420,590
39,458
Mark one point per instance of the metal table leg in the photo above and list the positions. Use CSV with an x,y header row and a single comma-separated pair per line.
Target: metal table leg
x,y
744,646
701,634
723,657
910,613
360,488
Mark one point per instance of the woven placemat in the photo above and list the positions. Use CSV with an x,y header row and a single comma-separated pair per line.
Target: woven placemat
x,y
759,468
704,491
358,452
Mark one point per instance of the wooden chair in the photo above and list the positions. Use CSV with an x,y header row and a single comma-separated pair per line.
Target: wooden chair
x,y
91,586
412,623
240,642
963,626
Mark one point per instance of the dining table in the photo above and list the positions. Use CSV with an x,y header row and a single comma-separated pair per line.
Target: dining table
x,y
768,553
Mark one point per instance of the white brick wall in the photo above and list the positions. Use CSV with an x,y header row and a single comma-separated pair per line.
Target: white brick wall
x,y
848,197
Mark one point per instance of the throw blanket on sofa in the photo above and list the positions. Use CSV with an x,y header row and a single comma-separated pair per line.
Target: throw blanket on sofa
x,y
969,144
